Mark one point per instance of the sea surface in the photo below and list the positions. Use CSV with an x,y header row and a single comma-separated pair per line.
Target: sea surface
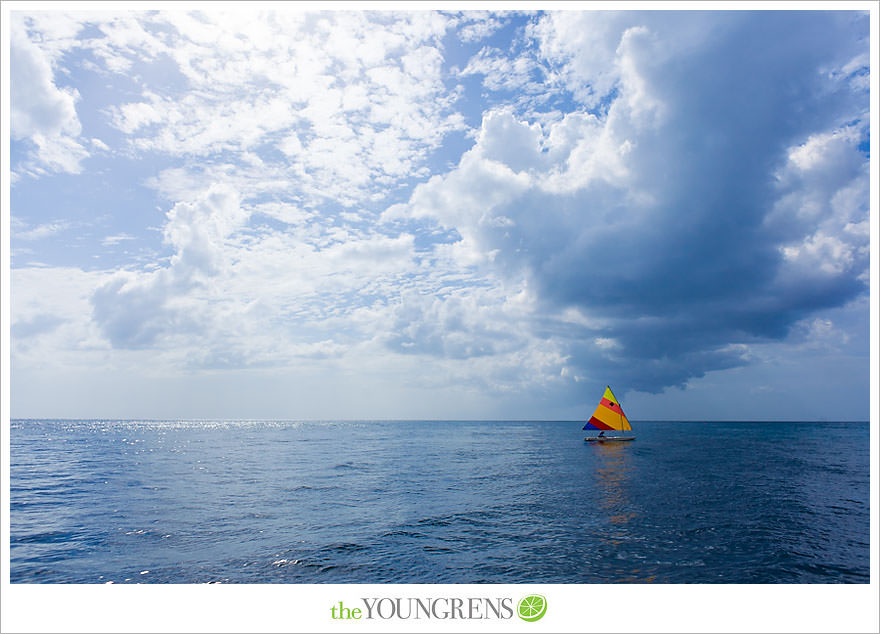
x,y
97,501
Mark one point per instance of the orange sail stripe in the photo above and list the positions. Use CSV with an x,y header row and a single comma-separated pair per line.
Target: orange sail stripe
x,y
610,417
616,409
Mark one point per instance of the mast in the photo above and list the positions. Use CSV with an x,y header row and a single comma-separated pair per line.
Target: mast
x,y
619,413
620,417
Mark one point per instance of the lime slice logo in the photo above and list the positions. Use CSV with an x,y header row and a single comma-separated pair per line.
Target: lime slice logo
x,y
532,607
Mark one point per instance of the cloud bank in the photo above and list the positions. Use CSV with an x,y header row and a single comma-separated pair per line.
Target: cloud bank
x,y
509,208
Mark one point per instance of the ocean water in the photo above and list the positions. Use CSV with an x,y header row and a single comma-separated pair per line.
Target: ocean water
x,y
96,501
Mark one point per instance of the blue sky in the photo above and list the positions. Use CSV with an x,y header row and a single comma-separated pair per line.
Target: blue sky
x,y
431,214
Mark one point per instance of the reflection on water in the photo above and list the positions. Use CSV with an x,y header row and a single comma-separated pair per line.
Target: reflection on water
x,y
615,475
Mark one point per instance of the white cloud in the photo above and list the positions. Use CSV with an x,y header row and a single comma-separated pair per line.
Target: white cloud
x,y
111,241
52,324
500,72
637,57
606,343
583,47
594,51
131,117
234,295
823,206
353,101
478,25
819,252
41,231
197,230
134,309
827,151
41,112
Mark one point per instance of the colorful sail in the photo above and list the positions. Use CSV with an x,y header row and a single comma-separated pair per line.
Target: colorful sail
x,y
608,414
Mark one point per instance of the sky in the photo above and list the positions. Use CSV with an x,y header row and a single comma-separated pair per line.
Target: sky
x,y
278,213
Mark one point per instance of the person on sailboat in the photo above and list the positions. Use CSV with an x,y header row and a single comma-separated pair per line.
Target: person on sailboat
x,y
602,434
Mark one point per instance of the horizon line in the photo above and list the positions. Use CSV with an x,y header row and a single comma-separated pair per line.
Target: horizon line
x,y
426,420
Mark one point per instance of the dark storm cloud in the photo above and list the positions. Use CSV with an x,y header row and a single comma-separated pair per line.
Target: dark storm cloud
x,y
721,199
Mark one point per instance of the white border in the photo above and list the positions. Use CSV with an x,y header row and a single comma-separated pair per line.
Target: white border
x,y
572,608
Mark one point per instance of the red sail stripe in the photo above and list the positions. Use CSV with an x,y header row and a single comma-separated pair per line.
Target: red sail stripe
x,y
610,405
598,424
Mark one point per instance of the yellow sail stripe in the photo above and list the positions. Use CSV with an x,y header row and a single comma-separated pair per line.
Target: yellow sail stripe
x,y
610,396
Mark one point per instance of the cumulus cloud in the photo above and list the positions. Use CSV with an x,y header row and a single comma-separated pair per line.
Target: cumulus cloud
x,y
656,217
42,114
461,325
134,309
239,293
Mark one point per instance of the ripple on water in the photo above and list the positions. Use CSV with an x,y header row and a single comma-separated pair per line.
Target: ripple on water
x,y
290,502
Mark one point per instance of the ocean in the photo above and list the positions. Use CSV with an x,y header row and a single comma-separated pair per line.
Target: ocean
x,y
98,501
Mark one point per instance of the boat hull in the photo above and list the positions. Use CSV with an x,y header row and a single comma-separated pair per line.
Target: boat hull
x,y
609,439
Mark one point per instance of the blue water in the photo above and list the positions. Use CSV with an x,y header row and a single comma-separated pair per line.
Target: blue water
x,y
437,502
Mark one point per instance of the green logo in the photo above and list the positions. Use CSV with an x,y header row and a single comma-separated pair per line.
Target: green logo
x,y
532,607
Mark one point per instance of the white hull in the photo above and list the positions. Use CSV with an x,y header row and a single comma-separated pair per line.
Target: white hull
x,y
609,438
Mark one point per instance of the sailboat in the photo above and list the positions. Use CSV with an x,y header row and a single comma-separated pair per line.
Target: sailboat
x,y
609,416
